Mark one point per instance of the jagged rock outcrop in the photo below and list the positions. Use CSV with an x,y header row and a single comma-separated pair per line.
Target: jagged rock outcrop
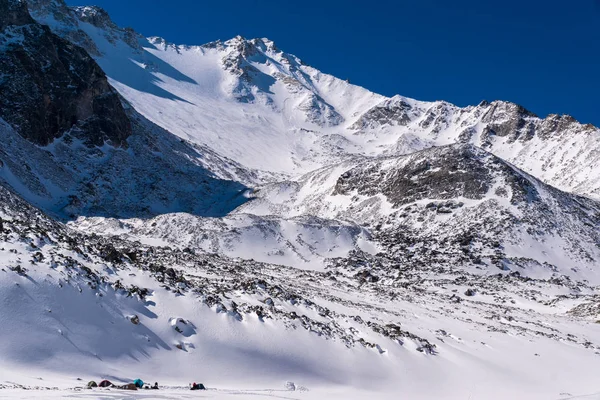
x,y
395,111
445,173
66,23
96,16
14,12
51,87
253,83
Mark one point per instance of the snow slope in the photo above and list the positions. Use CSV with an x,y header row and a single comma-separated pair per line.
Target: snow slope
x,y
302,242
157,173
69,301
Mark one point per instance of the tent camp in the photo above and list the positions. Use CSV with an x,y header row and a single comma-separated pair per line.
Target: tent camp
x,y
129,386
197,386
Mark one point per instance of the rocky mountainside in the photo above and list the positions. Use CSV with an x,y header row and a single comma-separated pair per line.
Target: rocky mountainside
x,y
304,241
556,149
87,300
72,146
455,205
33,60
228,212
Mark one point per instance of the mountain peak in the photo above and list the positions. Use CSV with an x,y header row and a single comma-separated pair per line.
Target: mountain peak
x,y
95,15
249,47
264,44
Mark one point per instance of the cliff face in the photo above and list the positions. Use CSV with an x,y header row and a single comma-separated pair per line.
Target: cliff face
x,y
14,12
51,87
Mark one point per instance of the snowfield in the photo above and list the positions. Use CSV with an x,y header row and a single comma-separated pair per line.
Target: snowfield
x,y
272,231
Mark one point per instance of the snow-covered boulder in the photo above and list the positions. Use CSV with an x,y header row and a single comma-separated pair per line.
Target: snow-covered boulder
x,y
180,325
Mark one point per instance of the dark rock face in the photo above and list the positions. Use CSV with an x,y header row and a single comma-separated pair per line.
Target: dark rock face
x,y
508,119
385,114
13,12
442,173
50,86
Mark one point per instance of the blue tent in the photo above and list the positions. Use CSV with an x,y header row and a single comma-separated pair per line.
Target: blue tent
x,y
139,383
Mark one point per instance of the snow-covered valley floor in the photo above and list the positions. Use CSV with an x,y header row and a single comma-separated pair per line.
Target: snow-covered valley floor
x,y
182,393
227,394
174,392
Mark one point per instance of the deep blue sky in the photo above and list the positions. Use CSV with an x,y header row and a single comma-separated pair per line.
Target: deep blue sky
x,y
542,54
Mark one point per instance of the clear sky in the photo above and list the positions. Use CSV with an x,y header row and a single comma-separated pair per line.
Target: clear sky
x,y
542,54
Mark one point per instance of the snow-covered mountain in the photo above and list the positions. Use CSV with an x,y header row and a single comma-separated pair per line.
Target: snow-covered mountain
x,y
226,212
451,202
266,109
